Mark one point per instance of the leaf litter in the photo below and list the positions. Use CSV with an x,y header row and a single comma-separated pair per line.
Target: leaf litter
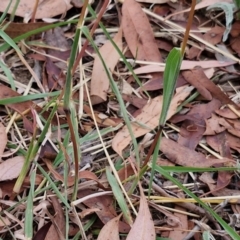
x,y
202,132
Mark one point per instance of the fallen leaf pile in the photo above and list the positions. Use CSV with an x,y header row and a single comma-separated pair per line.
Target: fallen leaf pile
x,y
113,116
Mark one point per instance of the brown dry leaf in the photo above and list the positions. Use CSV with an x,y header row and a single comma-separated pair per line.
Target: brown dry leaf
x,y
201,79
58,228
3,137
213,36
106,121
17,29
143,227
46,9
235,30
213,125
100,81
226,113
110,230
193,80
11,168
6,92
104,208
235,44
183,156
185,66
42,232
134,100
70,181
150,117
156,84
234,142
193,127
138,33
178,231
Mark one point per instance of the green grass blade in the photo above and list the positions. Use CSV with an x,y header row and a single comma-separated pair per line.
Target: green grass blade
x,y
8,74
19,99
28,224
171,73
179,169
5,12
227,228
117,192
53,185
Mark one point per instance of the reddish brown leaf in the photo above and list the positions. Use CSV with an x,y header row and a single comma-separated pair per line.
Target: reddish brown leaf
x,y
138,32
213,36
3,137
183,156
143,227
226,113
46,9
134,100
106,121
17,29
100,81
105,209
110,230
178,232
70,180
213,125
235,29
58,228
42,232
201,79
235,44
193,126
184,66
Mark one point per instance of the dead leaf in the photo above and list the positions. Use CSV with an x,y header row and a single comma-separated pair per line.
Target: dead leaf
x,y
183,156
108,122
11,168
70,181
3,137
213,36
110,230
235,44
185,66
104,208
100,81
58,228
188,75
213,125
193,127
200,79
46,9
16,29
143,227
226,113
42,232
134,100
150,117
178,231
235,29
138,33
